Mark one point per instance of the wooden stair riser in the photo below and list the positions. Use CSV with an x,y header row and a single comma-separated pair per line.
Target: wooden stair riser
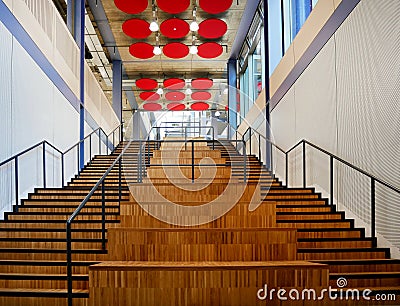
x,y
355,254
343,233
294,210
325,224
51,234
36,268
335,244
67,210
59,217
323,216
202,245
49,245
369,281
42,284
369,266
40,301
51,256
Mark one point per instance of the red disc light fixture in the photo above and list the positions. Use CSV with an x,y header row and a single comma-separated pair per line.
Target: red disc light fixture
x,y
212,28
152,106
141,50
202,83
131,7
201,95
210,50
149,96
146,84
175,96
136,28
215,6
199,106
176,50
174,84
175,106
174,28
172,7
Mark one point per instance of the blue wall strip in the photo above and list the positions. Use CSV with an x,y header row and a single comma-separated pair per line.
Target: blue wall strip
x,y
17,30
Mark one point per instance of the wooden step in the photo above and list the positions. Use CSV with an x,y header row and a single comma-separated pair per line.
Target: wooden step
x,y
349,253
310,223
310,215
366,279
334,243
42,281
359,265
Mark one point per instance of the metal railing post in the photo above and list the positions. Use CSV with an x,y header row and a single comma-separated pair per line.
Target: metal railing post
x,y
244,162
213,145
119,184
148,152
185,139
113,135
192,161
77,158
69,264
304,165
287,169
107,145
16,185
331,180
90,146
140,163
44,165
259,146
62,170
99,143
373,232
250,140
103,215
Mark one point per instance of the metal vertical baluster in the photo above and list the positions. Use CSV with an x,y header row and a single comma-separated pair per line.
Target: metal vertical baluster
x,y
192,161
69,264
16,184
287,169
44,165
90,146
259,146
62,170
103,215
99,143
304,165
77,156
331,180
119,184
373,220
244,162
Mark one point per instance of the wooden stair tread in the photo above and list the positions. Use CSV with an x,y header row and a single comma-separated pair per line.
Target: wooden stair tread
x,y
364,274
41,276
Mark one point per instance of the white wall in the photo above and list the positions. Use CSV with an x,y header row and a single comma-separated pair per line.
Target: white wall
x,y
32,110
347,102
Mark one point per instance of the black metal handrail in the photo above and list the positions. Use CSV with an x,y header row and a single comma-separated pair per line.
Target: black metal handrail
x,y
332,158
199,127
103,216
142,165
44,144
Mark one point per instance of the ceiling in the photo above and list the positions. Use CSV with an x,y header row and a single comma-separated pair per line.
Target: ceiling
x,y
161,67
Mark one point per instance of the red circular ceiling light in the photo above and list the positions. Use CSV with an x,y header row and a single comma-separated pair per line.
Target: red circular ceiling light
x,y
152,106
199,106
215,6
149,96
146,84
209,50
202,83
175,96
212,28
226,107
174,84
174,28
131,6
136,28
175,50
141,50
201,95
175,106
173,7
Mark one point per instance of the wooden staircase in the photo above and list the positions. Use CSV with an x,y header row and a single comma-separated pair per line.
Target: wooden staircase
x,y
33,240
291,240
